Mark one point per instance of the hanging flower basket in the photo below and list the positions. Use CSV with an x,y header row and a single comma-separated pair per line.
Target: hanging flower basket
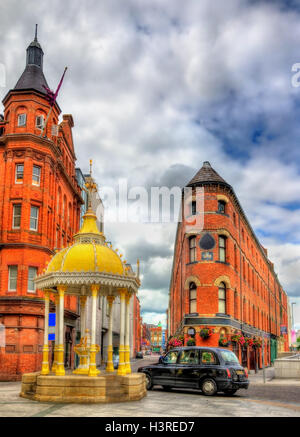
x,y
248,341
205,333
190,342
257,342
223,342
238,338
175,342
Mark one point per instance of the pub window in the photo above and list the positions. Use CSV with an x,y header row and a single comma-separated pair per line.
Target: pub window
x,y
22,120
36,175
221,206
19,173
193,298
222,298
222,249
17,216
32,272
192,249
34,217
235,305
12,278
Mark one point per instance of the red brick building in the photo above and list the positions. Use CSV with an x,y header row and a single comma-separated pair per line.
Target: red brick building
x,y
223,285
137,325
39,211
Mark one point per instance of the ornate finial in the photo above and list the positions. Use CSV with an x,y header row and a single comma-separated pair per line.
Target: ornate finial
x,y
35,37
138,268
91,165
91,186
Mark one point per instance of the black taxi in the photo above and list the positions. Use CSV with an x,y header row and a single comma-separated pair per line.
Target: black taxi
x,y
209,369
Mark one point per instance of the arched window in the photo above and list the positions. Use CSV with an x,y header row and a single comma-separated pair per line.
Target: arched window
x,y
222,248
222,298
221,206
193,298
192,249
193,208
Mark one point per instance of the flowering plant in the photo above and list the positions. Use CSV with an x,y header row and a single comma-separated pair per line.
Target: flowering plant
x,y
175,342
205,333
249,341
257,342
223,342
190,341
238,338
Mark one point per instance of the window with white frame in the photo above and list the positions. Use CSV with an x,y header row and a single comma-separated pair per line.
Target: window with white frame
x,y
17,216
193,297
36,175
222,298
34,217
19,173
192,249
32,272
22,120
222,249
12,278
39,121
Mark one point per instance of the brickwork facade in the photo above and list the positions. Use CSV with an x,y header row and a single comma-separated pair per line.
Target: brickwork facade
x,y
39,212
223,281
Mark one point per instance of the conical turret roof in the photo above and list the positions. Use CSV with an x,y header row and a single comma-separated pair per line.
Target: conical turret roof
x,y
205,175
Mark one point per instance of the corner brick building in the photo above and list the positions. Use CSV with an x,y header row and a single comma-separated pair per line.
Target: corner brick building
x,y
222,279
39,212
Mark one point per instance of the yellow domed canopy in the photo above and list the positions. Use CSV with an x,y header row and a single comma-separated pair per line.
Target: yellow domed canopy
x,y
89,253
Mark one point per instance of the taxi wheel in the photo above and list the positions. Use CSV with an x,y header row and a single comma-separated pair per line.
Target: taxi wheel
x,y
209,387
149,383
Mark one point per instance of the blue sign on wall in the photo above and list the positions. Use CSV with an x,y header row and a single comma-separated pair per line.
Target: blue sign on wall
x,y
52,320
207,256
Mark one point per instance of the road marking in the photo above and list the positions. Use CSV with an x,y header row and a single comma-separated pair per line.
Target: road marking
x,y
48,410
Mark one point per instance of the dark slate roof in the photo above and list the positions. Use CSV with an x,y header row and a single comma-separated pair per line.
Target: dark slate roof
x,y
205,175
32,78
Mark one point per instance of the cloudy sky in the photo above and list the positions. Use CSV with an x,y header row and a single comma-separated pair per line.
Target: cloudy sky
x,y
156,88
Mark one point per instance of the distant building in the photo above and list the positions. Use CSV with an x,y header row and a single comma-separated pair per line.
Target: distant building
x,y
156,337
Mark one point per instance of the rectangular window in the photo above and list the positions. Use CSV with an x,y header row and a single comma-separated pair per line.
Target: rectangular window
x,y
17,216
32,272
12,278
19,173
21,120
222,300
222,249
193,208
36,175
39,122
192,243
34,216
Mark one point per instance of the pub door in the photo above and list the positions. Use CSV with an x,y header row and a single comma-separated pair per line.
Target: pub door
x,y
244,357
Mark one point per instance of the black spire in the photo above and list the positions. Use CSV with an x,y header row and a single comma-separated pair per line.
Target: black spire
x,y
34,52
206,175
33,76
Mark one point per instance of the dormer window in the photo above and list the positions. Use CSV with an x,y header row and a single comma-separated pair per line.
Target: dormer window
x,y
39,122
221,206
22,120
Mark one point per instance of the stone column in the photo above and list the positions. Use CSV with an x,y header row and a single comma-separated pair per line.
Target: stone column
x,y
45,363
110,364
82,315
94,348
60,369
127,334
56,297
121,366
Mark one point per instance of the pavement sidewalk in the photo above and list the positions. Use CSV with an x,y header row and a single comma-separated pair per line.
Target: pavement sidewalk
x,y
257,378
